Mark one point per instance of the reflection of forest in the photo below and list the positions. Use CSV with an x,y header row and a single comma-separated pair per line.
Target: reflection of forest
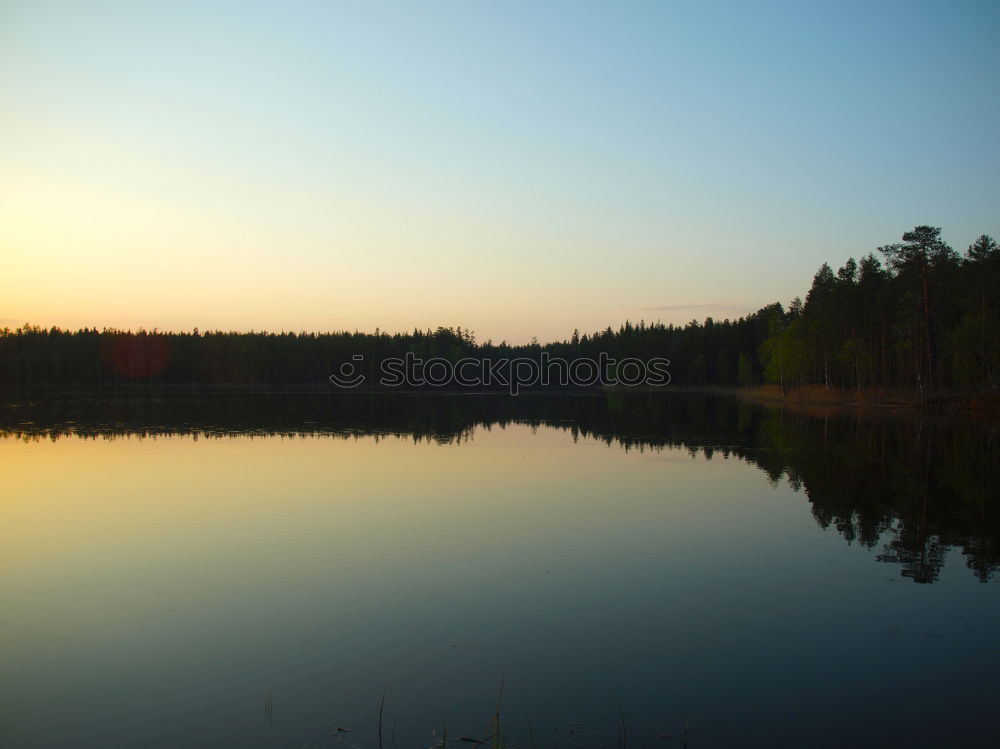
x,y
913,484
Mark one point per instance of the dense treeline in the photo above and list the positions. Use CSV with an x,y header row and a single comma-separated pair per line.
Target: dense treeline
x,y
716,353
928,319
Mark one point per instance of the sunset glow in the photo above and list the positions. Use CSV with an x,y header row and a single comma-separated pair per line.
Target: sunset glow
x,y
329,166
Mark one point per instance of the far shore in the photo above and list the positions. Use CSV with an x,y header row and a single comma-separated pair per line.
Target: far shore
x,y
772,395
819,395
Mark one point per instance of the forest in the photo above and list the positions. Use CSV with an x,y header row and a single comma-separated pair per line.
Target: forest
x,y
913,316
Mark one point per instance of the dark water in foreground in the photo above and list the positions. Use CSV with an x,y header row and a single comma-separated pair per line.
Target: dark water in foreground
x,y
256,570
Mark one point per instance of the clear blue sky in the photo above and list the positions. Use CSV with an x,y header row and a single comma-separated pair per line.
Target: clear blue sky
x,y
518,168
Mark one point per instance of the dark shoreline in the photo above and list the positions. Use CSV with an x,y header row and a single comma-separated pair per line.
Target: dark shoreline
x,y
768,395
817,395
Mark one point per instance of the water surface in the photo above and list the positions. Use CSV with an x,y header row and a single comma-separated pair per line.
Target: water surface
x,y
257,570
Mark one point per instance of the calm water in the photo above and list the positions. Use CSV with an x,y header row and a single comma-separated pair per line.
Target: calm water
x,y
256,570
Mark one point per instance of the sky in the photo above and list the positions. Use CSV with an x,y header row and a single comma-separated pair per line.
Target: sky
x,y
516,168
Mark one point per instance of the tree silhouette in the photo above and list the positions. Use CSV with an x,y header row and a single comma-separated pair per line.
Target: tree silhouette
x,y
929,320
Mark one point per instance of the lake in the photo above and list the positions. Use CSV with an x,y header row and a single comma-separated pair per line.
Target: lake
x,y
263,569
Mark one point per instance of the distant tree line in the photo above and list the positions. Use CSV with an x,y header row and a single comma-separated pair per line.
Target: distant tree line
x,y
928,319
